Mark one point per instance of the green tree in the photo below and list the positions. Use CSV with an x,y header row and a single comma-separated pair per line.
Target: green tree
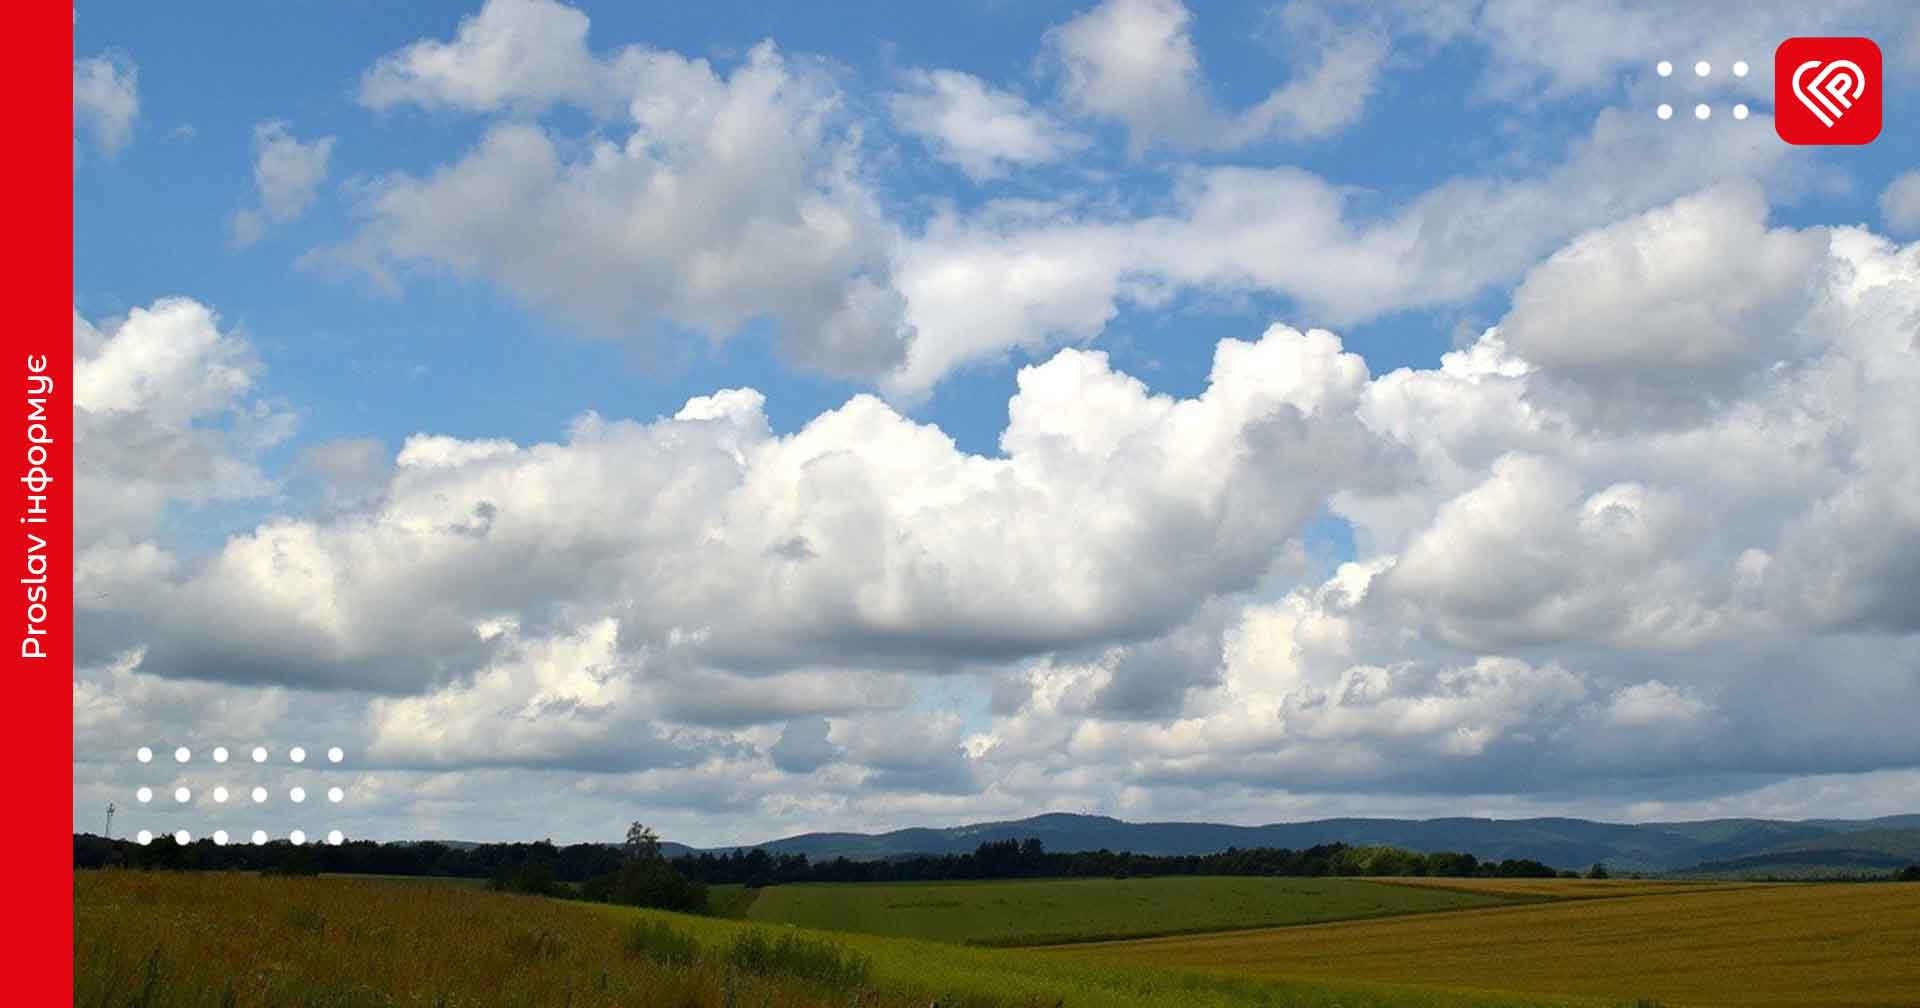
x,y
642,843
1599,870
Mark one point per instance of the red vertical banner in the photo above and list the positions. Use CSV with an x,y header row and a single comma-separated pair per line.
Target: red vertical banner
x,y
36,368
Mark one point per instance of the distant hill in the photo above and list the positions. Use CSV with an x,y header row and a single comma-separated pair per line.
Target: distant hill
x,y
1564,843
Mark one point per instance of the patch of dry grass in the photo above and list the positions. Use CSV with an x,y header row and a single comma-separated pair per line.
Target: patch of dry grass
x,y
1797,944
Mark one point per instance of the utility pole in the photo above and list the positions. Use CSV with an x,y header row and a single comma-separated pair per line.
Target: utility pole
x,y
109,820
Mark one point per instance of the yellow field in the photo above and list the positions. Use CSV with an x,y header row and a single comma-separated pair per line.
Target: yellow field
x,y
1559,888
1799,945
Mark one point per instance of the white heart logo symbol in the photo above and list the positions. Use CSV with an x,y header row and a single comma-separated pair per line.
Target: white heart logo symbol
x,y
1832,91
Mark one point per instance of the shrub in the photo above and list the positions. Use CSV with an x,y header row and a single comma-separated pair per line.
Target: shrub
x,y
1910,873
648,882
790,955
661,942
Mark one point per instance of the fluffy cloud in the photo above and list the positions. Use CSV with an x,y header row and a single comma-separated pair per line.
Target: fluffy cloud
x,y
106,100
165,411
1020,276
1134,61
1695,299
526,53
713,200
695,609
1900,204
863,539
982,130
1553,52
286,176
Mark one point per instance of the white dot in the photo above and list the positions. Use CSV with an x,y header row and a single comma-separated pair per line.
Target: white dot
x,y
335,755
1739,111
145,795
1665,111
182,837
1663,68
1740,68
298,794
143,838
334,795
297,837
259,754
182,795
259,794
182,754
1702,111
143,754
219,754
336,838
219,838
297,754
220,794
259,836
1702,68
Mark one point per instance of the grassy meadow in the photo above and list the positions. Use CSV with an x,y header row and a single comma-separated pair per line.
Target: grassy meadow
x,y
233,940
1056,911
1793,944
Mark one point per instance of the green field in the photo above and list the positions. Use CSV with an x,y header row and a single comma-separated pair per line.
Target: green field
x,y
1791,944
1054,911
232,940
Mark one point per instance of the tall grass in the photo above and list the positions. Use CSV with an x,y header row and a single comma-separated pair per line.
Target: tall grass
x,y
213,940
792,955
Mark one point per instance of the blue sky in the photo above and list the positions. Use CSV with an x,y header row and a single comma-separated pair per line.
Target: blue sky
x,y
1145,181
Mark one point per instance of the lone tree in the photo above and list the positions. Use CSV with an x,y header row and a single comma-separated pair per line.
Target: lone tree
x,y
642,843
1599,870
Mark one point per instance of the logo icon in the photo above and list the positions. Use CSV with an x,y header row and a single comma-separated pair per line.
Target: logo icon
x,y
1827,90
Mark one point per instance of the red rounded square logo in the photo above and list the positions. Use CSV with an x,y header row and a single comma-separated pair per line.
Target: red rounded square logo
x,y
1826,90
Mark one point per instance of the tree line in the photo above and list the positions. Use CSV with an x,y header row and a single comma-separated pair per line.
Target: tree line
x,y
532,865
607,872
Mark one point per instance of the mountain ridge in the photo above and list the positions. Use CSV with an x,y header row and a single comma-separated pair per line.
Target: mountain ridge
x,y
1563,842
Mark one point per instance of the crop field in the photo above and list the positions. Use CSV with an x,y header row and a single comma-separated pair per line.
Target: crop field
x,y
1054,911
1561,888
1801,945
230,940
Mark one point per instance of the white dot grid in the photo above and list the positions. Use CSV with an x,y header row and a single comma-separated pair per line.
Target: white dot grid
x,y
220,754
1703,68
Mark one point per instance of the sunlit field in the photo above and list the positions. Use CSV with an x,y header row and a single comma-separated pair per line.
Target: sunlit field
x,y
1795,944
222,940
1048,911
